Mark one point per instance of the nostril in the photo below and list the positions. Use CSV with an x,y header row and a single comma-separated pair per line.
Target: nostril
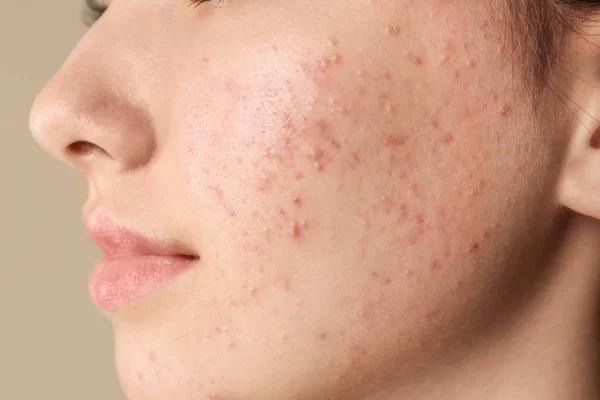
x,y
83,148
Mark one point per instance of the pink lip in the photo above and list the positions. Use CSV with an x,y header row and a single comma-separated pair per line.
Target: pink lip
x,y
133,266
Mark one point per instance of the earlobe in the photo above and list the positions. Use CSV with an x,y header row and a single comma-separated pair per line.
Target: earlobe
x,y
579,185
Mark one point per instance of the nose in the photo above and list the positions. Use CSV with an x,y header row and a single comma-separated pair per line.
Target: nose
x,y
88,115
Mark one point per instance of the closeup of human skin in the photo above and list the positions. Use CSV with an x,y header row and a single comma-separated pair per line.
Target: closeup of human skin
x,y
372,204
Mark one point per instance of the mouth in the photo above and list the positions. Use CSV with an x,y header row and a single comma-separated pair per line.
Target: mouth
x,y
134,266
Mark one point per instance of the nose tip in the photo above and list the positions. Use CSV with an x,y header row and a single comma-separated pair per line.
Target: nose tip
x,y
54,137
87,125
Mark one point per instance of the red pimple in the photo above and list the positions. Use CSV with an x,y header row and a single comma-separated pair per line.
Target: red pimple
x,y
416,59
474,247
467,112
323,336
393,30
152,355
375,274
333,42
396,141
298,201
472,64
436,124
335,58
316,154
420,219
404,209
388,76
299,176
356,157
449,138
504,110
414,188
433,313
296,231
435,265
388,280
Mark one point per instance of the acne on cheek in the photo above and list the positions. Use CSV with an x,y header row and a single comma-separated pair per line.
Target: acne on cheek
x,y
310,145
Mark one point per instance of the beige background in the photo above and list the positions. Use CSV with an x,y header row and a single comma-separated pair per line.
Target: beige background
x,y
53,342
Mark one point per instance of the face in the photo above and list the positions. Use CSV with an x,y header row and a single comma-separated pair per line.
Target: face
x,y
361,181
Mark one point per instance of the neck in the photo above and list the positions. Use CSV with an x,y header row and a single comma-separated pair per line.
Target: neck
x,y
550,350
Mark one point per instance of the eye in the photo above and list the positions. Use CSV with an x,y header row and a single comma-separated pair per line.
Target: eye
x,y
95,8
93,11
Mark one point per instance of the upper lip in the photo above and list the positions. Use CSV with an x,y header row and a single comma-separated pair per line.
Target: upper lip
x,y
116,241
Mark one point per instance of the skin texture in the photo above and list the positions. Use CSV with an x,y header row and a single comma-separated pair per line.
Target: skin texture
x,y
377,208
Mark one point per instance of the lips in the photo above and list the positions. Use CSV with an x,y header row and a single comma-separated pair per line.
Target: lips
x,y
133,266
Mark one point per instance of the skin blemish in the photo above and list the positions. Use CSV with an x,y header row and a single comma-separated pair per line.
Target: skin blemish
x,y
356,157
299,176
375,274
393,30
395,140
388,280
474,247
472,64
466,112
333,42
414,188
416,59
287,284
432,314
297,201
152,355
140,377
296,230
457,75
316,154
388,77
449,138
359,350
323,336
435,265
389,108
404,210
420,219
435,124
410,273
503,111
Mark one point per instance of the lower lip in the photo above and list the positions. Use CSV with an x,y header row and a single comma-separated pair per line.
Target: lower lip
x,y
119,281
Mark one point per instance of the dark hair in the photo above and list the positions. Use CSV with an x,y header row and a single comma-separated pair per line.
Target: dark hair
x,y
541,27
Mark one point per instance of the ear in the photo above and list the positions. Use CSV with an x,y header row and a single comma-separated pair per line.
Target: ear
x,y
579,185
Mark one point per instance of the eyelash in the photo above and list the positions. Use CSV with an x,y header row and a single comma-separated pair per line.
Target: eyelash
x,y
95,10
